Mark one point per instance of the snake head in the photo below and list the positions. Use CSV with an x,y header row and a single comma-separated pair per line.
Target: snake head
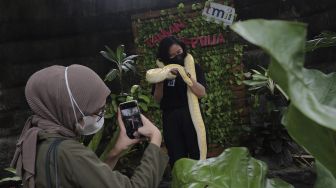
x,y
159,63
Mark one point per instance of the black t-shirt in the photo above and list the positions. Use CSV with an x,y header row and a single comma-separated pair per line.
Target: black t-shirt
x,y
175,91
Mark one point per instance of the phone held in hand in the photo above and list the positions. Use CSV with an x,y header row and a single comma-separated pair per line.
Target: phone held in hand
x,y
130,113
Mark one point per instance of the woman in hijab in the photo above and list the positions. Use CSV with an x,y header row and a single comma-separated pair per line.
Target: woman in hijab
x,y
68,102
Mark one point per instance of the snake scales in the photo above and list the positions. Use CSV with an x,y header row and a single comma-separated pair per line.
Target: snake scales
x,y
163,72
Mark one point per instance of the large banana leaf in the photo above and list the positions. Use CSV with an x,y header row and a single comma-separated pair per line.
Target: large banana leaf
x,y
234,168
311,115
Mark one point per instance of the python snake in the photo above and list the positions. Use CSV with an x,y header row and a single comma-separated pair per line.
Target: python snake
x,y
164,72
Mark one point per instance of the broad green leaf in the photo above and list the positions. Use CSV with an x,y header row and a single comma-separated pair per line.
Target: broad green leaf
x,y
111,53
108,115
114,106
154,105
324,177
234,168
121,98
134,88
110,145
113,96
144,98
143,106
111,75
93,145
310,118
129,98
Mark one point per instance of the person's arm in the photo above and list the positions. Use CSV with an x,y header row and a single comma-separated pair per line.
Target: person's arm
x,y
197,88
123,142
113,158
84,169
199,85
158,91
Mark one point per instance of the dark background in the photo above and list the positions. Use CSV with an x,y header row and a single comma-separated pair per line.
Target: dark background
x,y
38,33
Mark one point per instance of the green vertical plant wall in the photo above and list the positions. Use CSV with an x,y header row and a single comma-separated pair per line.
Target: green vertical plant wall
x,y
220,63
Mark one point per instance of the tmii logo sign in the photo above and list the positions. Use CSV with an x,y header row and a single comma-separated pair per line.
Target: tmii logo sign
x,y
219,13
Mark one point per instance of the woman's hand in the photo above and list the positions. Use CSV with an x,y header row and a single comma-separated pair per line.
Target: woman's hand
x,y
123,142
151,131
174,71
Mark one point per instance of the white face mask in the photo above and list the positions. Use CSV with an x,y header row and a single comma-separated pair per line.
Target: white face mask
x,y
91,123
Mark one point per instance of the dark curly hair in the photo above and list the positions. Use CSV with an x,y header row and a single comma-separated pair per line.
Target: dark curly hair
x,y
165,44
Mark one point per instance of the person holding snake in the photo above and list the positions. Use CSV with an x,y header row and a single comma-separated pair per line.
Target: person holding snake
x,y
179,83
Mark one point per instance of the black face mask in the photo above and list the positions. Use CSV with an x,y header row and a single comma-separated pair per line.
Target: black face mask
x,y
179,59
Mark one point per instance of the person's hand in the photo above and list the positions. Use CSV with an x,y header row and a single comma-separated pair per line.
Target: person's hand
x,y
151,131
174,71
123,142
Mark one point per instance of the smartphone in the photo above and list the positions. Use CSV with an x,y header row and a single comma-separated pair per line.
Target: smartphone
x,y
130,113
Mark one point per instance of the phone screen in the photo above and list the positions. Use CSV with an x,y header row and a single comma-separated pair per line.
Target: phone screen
x,y
130,114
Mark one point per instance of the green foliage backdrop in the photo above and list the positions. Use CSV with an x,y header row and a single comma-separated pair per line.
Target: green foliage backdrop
x,y
221,64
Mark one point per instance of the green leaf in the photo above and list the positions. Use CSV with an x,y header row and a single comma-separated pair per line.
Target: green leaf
x,y
110,145
233,168
107,56
111,75
108,115
114,106
325,178
131,57
120,52
255,83
180,6
93,145
129,98
310,118
12,170
193,7
259,77
283,93
134,88
125,68
129,66
144,98
325,39
111,53
15,178
143,106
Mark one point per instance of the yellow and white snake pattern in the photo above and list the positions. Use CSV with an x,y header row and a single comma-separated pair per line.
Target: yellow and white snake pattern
x,y
162,73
